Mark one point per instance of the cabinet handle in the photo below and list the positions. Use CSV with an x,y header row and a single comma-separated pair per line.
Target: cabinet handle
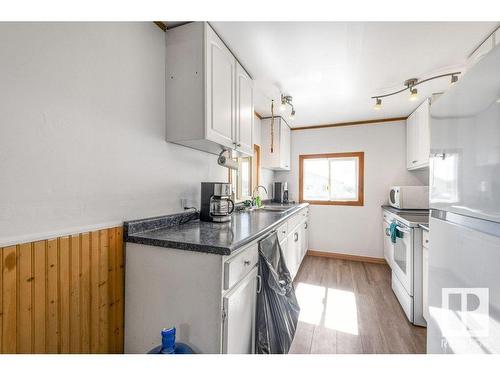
x,y
283,231
305,225
296,237
246,262
414,161
238,145
426,241
259,284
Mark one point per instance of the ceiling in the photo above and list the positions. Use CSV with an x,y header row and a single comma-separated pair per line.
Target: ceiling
x,y
333,68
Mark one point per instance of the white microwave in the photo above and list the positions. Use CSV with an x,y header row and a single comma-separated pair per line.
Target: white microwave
x,y
409,197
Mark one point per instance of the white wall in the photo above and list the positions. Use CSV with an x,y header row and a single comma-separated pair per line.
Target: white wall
x,y
82,129
266,175
349,229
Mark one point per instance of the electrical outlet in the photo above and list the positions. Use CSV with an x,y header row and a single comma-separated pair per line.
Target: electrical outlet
x,y
184,203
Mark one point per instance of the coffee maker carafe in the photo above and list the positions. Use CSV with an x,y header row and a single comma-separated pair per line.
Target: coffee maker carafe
x,y
216,203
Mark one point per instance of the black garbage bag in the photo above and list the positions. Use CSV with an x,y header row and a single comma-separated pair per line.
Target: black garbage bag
x,y
277,307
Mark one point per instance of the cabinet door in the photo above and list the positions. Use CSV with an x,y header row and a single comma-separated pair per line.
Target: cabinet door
x,y
244,111
284,146
425,283
293,254
410,140
220,91
305,238
239,323
270,159
423,135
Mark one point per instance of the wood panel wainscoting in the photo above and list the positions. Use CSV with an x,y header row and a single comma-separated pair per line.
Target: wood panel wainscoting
x,y
63,295
355,258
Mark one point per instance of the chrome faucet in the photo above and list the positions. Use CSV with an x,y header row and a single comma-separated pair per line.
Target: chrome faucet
x,y
256,189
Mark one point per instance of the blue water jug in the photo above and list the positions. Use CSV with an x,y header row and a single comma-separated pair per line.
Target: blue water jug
x,y
168,344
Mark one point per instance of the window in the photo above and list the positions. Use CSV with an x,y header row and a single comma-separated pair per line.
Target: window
x,y
335,179
246,177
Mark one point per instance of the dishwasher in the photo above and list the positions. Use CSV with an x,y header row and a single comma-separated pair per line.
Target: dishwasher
x,y
277,306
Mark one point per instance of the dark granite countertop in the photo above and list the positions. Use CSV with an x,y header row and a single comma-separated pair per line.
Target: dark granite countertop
x,y
186,232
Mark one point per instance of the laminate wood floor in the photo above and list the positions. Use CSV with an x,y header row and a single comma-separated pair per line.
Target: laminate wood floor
x,y
349,307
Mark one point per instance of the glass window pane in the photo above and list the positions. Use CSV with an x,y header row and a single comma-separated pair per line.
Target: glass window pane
x,y
316,180
245,177
344,179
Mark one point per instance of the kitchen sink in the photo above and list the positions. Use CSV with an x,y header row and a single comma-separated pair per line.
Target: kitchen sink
x,y
275,208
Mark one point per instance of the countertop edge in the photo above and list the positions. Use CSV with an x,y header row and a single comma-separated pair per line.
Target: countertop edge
x,y
208,249
424,227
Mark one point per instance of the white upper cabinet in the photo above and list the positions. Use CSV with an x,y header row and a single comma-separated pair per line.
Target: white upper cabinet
x,y
418,137
220,86
244,111
279,157
209,95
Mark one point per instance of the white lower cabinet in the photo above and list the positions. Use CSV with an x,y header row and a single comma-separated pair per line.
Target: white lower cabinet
x,y
297,242
238,333
293,252
209,298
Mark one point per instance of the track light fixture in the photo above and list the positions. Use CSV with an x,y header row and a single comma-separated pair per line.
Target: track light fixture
x,y
413,95
410,84
287,99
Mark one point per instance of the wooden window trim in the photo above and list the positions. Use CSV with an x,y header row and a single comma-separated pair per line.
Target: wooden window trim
x,y
361,173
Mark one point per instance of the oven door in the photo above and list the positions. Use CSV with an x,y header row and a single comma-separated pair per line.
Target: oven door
x,y
402,259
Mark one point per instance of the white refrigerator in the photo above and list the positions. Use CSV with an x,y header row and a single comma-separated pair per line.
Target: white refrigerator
x,y
464,253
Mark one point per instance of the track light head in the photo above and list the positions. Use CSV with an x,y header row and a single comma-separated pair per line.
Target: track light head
x,y
283,104
454,79
414,94
378,104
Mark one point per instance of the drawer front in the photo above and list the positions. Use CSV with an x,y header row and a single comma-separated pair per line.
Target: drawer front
x,y
282,232
425,239
237,267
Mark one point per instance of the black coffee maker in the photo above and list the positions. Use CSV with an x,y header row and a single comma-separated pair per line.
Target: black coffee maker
x,y
280,192
216,203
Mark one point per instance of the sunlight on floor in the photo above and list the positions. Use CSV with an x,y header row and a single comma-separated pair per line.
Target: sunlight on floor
x,y
333,308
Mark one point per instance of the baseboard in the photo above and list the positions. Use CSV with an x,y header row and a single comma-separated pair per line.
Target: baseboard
x,y
355,258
